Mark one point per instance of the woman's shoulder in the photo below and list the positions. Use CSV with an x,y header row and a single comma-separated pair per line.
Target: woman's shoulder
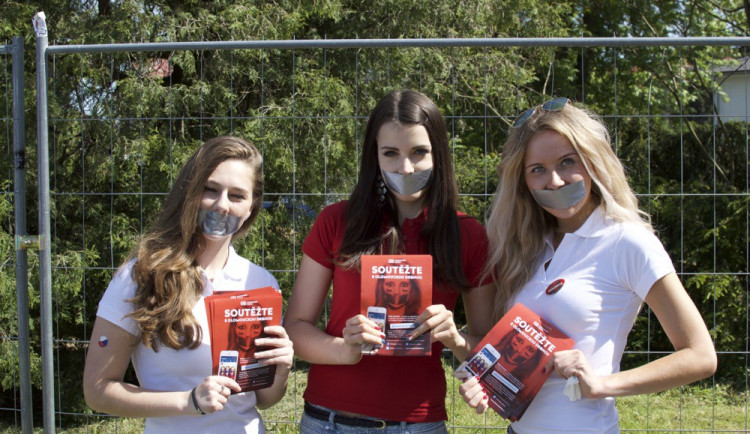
x,y
333,215
469,223
253,273
114,305
600,225
633,243
123,278
635,235
335,209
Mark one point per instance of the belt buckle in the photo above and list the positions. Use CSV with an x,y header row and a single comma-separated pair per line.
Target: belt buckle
x,y
382,422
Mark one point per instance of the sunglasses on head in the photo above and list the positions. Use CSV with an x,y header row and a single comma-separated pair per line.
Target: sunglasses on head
x,y
552,105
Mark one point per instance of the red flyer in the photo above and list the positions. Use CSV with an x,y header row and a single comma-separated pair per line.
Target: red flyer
x,y
235,320
510,359
395,290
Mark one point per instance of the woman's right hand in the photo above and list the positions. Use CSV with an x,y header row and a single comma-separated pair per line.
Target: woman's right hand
x,y
361,330
213,392
472,391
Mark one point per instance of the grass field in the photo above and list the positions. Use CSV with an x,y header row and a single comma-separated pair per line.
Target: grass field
x,y
688,410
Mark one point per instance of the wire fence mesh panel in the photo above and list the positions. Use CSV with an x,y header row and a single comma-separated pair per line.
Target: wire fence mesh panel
x,y
122,123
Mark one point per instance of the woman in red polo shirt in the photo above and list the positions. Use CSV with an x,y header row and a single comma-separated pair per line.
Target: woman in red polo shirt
x,y
404,203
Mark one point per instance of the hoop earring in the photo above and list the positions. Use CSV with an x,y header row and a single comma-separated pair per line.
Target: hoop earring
x,y
380,190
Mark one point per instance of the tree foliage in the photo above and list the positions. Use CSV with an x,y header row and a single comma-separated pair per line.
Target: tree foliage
x,y
122,124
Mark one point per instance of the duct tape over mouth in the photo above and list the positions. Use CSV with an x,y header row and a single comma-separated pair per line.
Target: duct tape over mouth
x,y
408,184
218,225
562,198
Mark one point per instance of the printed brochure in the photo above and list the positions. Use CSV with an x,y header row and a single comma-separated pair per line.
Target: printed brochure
x,y
510,359
236,319
395,290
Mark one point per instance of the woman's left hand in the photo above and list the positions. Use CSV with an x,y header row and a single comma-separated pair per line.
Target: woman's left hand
x,y
439,322
573,363
472,391
280,350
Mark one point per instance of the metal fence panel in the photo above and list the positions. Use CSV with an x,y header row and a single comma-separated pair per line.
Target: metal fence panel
x,y
119,135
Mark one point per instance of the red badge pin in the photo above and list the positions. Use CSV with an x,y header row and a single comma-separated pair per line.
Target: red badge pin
x,y
555,286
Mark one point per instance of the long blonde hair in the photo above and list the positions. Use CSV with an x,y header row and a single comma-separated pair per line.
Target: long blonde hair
x,y
517,224
166,273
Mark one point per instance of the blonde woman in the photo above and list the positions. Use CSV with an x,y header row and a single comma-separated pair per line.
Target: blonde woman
x,y
153,310
564,213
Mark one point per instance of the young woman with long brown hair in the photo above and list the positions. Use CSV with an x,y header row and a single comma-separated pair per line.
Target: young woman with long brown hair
x,y
153,310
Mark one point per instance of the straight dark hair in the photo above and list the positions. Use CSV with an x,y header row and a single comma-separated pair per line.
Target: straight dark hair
x,y
364,233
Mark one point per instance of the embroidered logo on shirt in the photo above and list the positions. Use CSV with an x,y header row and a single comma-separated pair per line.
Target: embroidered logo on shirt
x,y
555,286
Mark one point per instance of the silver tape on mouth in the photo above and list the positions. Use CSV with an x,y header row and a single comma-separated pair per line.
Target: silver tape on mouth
x,y
408,184
562,198
218,225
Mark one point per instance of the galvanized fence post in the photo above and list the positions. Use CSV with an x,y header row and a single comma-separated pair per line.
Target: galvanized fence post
x,y
19,196
45,261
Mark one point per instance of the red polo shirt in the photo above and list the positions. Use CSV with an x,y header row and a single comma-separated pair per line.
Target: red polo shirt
x,y
410,389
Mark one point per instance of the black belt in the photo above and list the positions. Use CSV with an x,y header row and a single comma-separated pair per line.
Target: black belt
x,y
324,415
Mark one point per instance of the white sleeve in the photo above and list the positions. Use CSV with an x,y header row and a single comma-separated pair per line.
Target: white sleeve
x,y
113,306
259,277
643,260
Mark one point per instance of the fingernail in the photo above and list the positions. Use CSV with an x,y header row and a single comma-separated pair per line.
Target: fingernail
x,y
409,337
485,397
382,341
416,324
476,378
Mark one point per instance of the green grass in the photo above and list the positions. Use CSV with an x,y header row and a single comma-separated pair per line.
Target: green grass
x,y
689,409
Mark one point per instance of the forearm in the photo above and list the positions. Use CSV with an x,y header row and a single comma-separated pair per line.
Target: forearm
x,y
694,358
463,346
316,346
470,341
478,306
271,395
680,368
128,400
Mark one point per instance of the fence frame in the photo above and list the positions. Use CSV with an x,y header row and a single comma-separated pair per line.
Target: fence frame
x,y
22,241
43,50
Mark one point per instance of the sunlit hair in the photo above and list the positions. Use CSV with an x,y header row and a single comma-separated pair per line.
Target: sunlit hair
x,y
413,299
517,224
364,233
166,273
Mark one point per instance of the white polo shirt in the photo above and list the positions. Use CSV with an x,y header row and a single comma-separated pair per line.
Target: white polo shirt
x,y
172,370
608,269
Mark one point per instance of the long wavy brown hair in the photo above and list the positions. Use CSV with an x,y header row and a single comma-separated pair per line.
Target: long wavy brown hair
x,y
168,278
364,229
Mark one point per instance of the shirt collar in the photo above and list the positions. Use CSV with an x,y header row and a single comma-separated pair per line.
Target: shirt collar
x,y
421,218
596,225
233,270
